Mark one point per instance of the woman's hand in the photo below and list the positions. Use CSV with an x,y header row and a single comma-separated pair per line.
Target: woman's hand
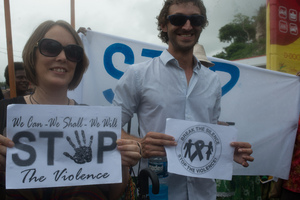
x,y
4,143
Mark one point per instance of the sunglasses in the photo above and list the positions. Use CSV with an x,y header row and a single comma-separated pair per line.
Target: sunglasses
x,y
180,19
52,48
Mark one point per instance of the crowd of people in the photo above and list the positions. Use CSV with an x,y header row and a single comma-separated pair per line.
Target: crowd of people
x,y
54,62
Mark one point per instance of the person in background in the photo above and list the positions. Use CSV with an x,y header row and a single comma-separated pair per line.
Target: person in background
x,y
22,83
55,62
200,54
1,95
175,85
291,187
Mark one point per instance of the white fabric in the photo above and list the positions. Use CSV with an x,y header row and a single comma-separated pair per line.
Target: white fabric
x,y
264,104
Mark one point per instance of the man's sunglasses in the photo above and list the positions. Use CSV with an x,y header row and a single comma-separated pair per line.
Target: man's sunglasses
x,y
180,20
52,48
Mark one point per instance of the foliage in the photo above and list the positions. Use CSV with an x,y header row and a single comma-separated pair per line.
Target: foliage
x,y
247,36
241,30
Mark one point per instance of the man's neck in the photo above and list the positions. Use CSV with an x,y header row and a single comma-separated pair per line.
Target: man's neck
x,y
185,59
186,62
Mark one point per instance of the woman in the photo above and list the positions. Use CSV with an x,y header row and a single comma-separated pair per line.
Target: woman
x,y
55,61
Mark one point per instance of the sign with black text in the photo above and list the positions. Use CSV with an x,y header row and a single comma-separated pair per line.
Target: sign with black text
x,y
62,146
203,150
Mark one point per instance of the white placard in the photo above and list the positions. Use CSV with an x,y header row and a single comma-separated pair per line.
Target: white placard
x,y
62,146
203,150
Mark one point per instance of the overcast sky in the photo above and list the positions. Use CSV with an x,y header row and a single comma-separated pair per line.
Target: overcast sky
x,y
134,19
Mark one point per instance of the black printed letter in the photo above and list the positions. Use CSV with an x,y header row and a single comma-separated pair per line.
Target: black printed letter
x,y
101,147
51,136
24,147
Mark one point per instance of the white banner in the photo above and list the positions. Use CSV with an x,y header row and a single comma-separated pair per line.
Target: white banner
x,y
263,104
62,146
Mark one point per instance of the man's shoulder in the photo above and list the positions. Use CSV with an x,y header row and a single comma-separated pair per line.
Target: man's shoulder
x,y
208,72
146,63
162,59
143,67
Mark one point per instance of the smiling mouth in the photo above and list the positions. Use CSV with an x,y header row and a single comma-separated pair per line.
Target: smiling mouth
x,y
185,35
59,70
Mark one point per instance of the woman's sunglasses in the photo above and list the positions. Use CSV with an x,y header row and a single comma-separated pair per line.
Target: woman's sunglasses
x,y
180,19
52,48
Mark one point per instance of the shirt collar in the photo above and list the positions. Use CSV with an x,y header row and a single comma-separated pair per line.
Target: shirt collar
x,y
166,57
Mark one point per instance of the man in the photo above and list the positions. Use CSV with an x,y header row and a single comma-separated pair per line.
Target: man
x,y
22,84
175,85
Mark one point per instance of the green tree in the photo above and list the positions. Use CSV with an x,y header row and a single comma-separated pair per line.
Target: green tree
x,y
241,30
246,35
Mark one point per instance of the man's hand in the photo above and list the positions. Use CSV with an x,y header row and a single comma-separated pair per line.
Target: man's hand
x,y
83,30
153,144
242,153
130,151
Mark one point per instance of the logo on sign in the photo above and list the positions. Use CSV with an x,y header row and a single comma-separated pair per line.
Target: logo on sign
x,y
293,15
199,149
282,12
293,29
283,26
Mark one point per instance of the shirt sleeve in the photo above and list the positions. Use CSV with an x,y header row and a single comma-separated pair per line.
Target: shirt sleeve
x,y
3,106
127,94
217,108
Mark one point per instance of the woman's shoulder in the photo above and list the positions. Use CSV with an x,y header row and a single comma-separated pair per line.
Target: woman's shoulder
x,y
16,100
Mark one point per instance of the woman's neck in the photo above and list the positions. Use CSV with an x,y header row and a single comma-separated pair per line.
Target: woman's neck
x,y
56,97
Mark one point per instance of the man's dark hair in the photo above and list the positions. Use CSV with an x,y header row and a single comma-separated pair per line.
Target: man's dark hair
x,y
18,66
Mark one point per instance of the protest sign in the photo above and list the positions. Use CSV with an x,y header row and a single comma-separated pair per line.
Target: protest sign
x,y
62,146
203,150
